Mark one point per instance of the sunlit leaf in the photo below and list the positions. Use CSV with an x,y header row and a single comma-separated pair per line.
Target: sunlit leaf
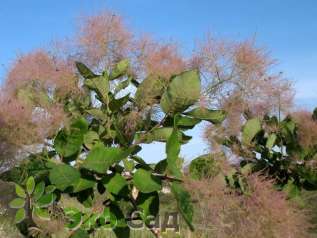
x,y
100,158
19,215
120,69
20,191
182,92
39,190
17,203
85,71
214,116
116,184
250,129
63,176
83,184
30,185
146,182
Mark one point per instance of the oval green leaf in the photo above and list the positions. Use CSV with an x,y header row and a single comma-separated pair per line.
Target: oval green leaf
x,y
145,182
116,184
20,191
17,203
120,69
45,200
250,129
63,176
30,184
39,190
42,214
83,184
100,158
182,92
19,215
213,116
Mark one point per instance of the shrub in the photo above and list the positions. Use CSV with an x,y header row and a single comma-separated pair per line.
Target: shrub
x,y
94,163
223,212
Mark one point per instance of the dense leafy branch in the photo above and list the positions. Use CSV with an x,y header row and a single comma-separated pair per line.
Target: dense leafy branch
x,y
95,161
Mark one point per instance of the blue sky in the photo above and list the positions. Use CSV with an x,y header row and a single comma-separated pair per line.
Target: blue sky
x,y
288,29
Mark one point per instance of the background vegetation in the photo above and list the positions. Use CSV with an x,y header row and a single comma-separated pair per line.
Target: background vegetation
x,y
73,117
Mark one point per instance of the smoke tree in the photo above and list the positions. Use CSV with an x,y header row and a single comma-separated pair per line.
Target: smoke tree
x,y
95,159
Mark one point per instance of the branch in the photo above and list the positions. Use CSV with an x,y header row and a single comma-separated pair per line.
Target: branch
x,y
153,128
162,176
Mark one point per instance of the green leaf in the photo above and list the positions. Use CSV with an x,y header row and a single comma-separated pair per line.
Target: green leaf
x,y
116,184
45,200
271,141
185,122
230,178
172,151
63,176
213,116
83,184
17,203
160,134
291,189
50,188
30,184
128,165
120,69
68,143
150,91
90,221
161,167
203,166
117,219
80,234
19,215
75,220
141,162
97,113
85,71
116,104
100,158
101,86
182,92
247,169
244,186
91,138
80,124
20,191
145,182
106,217
42,214
250,129
148,204
122,85
39,190
184,203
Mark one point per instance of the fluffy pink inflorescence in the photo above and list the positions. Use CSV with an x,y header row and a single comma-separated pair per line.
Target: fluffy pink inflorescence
x,y
23,124
102,39
223,212
52,73
37,114
161,59
238,77
306,128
